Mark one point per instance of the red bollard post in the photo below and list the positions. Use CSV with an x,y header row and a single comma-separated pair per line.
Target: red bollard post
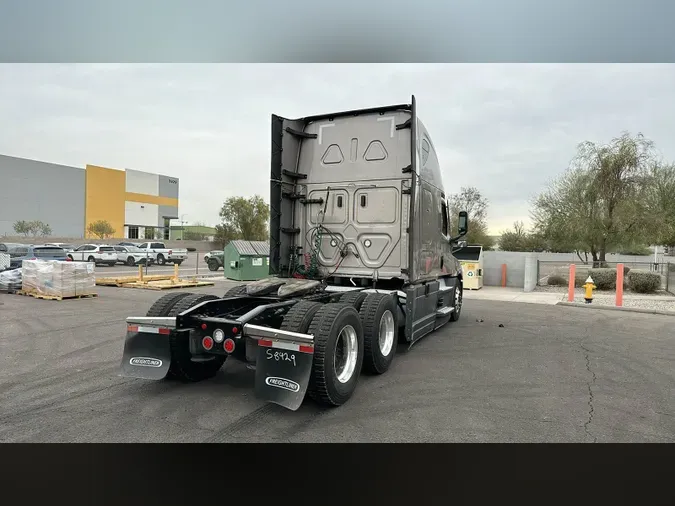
x,y
503,275
619,285
570,285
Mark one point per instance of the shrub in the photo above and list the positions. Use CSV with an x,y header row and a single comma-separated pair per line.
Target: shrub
x,y
580,277
556,280
604,279
644,281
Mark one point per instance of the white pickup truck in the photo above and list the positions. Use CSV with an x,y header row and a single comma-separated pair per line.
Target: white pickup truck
x,y
161,254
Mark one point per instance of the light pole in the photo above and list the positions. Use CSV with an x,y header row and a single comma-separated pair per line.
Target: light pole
x,y
182,226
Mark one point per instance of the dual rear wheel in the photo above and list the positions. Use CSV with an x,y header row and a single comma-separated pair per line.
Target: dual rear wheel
x,y
184,366
359,332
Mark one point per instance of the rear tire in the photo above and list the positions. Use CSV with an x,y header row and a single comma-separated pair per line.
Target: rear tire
x,y
163,305
160,259
236,291
182,366
380,332
70,257
213,265
131,261
299,317
338,353
91,260
354,299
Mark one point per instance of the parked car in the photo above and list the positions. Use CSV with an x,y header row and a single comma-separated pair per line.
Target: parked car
x,y
162,254
127,244
95,253
214,259
65,245
132,255
41,252
6,246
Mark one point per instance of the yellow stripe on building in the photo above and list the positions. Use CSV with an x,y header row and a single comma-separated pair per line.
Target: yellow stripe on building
x,y
150,199
105,194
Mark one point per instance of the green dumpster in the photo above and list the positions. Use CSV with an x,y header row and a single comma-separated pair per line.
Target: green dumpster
x,y
246,260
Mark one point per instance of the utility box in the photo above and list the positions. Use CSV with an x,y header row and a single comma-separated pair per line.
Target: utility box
x,y
246,260
471,258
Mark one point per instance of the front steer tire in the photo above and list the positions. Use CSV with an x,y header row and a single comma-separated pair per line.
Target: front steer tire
x,y
378,315
457,298
328,322
182,367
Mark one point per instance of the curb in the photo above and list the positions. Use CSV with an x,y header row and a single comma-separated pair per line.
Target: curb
x,y
616,308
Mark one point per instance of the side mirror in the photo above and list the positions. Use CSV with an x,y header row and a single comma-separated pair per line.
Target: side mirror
x,y
461,244
463,223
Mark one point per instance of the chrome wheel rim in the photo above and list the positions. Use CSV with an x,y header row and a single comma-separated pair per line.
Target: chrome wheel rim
x,y
386,336
458,299
345,354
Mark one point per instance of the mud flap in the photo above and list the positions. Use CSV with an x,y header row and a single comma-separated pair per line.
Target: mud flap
x,y
147,353
282,372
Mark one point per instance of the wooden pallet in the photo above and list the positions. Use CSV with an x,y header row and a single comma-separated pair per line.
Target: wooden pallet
x,y
125,280
167,284
56,297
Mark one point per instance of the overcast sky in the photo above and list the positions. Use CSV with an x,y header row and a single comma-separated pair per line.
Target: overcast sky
x,y
506,129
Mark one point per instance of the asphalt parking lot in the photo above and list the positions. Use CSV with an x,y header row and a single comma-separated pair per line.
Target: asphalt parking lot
x,y
550,374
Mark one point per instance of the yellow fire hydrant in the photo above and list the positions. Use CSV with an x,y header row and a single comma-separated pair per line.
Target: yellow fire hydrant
x,y
589,286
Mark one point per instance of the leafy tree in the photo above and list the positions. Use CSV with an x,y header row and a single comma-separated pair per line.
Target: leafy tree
x,y
225,234
601,201
514,240
661,203
43,229
33,228
471,200
244,218
22,227
101,229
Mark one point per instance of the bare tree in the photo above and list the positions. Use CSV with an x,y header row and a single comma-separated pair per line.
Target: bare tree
x,y
471,200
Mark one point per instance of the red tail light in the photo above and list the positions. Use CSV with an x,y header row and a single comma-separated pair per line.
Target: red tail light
x,y
228,345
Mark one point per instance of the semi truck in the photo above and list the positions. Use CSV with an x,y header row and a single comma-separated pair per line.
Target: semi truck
x,y
361,260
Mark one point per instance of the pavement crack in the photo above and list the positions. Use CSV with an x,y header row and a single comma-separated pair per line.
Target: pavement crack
x,y
591,408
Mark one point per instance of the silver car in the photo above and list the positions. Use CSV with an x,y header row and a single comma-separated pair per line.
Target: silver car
x,y
132,255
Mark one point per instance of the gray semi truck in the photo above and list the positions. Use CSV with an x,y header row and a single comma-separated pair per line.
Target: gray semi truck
x,y
361,258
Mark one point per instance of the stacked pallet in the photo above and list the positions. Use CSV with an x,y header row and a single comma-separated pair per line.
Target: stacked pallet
x,y
53,279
